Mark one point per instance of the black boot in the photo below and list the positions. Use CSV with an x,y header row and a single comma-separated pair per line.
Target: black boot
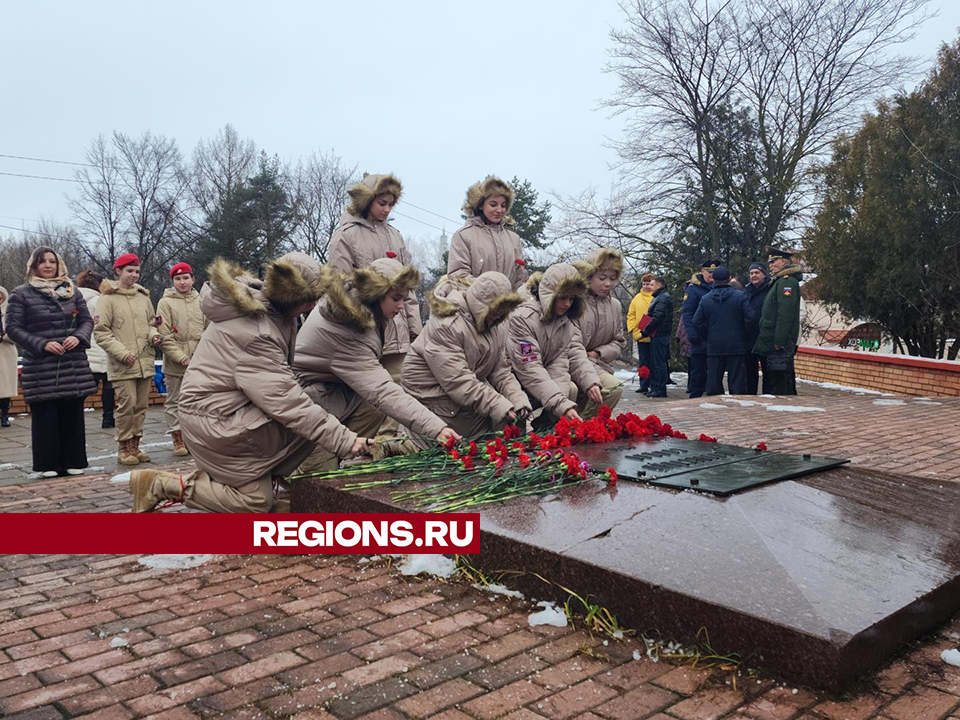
x,y
108,421
5,412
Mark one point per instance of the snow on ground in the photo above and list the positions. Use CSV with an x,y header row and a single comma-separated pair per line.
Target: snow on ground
x,y
174,562
498,589
889,402
713,406
794,408
118,642
439,565
927,402
626,375
550,615
743,403
123,477
951,657
845,388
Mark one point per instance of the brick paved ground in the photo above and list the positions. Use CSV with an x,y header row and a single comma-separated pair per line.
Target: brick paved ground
x,y
332,637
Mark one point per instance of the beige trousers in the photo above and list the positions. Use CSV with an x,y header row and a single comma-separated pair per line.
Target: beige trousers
x,y
172,402
133,396
467,422
364,421
394,365
202,492
610,388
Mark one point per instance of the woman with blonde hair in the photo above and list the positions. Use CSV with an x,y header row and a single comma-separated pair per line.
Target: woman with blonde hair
x,y
486,242
48,318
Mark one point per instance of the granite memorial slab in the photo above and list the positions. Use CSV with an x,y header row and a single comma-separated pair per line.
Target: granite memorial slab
x,y
818,579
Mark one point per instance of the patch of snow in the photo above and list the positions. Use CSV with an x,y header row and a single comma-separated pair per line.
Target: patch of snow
x,y
625,375
712,406
173,562
794,408
439,565
5,466
123,477
498,589
889,402
767,396
118,642
794,433
550,615
927,402
743,403
88,409
637,655
951,657
844,388
370,558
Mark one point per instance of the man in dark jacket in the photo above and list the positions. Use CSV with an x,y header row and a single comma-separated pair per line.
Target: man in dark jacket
x,y
722,321
659,330
756,291
697,288
780,322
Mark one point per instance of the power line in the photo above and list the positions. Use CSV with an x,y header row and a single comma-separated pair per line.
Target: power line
x,y
38,177
430,212
35,232
58,162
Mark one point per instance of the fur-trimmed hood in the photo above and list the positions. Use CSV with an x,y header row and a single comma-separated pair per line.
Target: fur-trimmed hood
x,y
174,294
697,279
600,259
352,298
112,287
364,192
560,280
488,294
291,279
791,269
480,191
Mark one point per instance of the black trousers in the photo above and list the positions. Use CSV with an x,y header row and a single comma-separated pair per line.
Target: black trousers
x,y
717,365
783,383
106,393
697,377
58,436
753,365
645,357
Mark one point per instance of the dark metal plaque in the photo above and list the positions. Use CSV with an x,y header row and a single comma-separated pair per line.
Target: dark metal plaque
x,y
702,466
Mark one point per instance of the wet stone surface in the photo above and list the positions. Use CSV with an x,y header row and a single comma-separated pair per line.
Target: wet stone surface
x,y
819,579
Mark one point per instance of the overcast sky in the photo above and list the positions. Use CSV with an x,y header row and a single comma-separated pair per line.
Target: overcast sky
x,y
440,93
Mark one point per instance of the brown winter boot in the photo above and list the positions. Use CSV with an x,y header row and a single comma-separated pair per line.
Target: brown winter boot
x,y
151,487
141,456
127,454
179,449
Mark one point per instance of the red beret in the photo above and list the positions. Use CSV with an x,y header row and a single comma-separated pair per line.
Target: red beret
x,y
126,259
180,269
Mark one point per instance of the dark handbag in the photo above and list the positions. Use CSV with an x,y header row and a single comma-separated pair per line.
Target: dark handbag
x,y
779,361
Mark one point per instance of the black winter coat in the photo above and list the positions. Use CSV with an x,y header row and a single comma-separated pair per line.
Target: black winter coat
x,y
723,319
661,314
34,319
755,296
693,294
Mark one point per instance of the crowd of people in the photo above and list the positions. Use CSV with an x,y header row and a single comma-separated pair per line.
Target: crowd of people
x,y
306,366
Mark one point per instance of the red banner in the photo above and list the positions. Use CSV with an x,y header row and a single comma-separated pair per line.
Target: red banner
x,y
247,533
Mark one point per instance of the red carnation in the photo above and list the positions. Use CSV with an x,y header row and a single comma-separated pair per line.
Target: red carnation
x,y
762,446
473,449
75,312
520,262
391,254
611,476
449,443
511,431
524,460
643,372
467,463
707,438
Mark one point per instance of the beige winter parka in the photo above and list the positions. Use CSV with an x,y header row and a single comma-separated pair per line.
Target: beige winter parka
x,y
601,325
339,347
126,325
480,247
359,240
96,356
181,327
8,353
241,407
544,348
460,361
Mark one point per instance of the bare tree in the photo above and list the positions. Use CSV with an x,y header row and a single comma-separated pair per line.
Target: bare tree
x,y
728,106
99,206
220,167
319,187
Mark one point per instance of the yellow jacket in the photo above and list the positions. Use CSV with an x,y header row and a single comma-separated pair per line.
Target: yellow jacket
x,y
638,308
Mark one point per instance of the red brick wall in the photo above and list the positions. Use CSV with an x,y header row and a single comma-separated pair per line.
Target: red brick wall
x,y
887,373
19,406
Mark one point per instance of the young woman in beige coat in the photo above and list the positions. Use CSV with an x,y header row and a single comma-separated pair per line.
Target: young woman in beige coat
x,y
458,367
88,283
544,347
339,349
364,236
181,325
243,414
486,242
8,364
600,327
126,329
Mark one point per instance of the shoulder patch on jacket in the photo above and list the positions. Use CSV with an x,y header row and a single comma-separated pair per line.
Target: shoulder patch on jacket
x,y
685,296
788,291
526,348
